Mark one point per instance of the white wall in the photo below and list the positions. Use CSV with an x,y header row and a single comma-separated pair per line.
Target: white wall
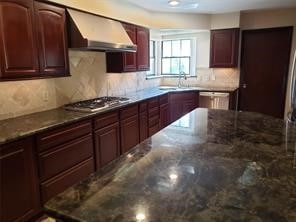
x,y
269,19
124,11
225,20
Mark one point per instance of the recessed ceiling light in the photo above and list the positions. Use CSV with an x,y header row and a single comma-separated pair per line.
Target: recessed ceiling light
x,y
174,2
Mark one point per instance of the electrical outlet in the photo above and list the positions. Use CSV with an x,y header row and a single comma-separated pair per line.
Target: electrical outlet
x,y
45,96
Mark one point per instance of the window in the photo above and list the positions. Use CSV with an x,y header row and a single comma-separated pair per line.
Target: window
x,y
152,70
176,57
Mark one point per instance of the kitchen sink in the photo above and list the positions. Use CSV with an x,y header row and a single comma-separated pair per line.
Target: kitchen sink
x,y
167,88
173,88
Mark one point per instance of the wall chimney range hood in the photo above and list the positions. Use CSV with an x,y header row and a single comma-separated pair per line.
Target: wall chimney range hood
x,y
95,33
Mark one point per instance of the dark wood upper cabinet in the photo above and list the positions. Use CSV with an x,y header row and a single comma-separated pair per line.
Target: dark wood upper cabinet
x,y
32,40
52,39
119,62
18,45
224,48
130,58
143,58
19,199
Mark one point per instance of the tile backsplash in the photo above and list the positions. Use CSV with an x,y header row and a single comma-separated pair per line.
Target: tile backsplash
x,y
206,77
89,79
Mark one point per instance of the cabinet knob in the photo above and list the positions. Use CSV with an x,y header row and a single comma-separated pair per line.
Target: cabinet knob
x,y
244,86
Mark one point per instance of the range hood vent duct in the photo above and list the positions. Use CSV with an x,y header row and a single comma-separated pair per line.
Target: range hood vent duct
x,y
91,32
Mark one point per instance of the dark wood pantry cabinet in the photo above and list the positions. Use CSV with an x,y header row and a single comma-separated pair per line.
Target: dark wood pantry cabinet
x,y
32,40
119,62
19,190
224,48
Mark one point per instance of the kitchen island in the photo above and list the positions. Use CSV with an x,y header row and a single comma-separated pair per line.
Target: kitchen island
x,y
211,165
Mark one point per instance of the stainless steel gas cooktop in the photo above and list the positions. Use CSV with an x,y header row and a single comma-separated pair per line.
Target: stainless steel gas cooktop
x,y
93,105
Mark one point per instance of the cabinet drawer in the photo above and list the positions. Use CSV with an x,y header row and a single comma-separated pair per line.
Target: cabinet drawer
x,y
129,111
106,120
143,107
163,99
153,103
153,129
61,135
153,120
153,112
65,157
61,182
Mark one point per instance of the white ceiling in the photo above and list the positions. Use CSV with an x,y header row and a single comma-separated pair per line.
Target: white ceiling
x,y
212,6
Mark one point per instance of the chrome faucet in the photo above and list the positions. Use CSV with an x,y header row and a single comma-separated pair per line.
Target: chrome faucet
x,y
180,76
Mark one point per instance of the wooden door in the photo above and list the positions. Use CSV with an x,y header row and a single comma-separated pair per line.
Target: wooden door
x,y
52,38
107,142
224,48
129,130
130,58
19,199
18,49
143,52
264,70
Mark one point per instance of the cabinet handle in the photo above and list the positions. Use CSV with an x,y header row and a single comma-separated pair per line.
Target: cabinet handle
x,y
244,86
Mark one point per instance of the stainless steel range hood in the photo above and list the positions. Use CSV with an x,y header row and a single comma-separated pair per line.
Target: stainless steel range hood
x,y
91,32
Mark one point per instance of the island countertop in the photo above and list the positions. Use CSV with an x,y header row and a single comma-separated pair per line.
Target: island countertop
x,y
211,165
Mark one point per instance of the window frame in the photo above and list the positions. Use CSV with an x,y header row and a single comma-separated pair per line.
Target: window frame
x,y
175,57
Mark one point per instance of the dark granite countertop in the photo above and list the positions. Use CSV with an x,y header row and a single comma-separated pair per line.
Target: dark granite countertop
x,y
16,128
210,166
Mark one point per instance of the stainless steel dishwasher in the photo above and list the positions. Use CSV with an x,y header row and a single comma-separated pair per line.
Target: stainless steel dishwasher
x,y
214,100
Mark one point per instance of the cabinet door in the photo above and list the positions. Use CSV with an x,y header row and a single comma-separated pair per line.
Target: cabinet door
x,y
164,115
18,50
224,48
107,144
143,118
176,110
188,106
53,49
130,58
143,52
18,177
129,130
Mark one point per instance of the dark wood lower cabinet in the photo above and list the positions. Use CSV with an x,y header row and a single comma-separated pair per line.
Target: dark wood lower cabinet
x,y
107,144
143,126
164,115
182,103
19,192
129,130
176,110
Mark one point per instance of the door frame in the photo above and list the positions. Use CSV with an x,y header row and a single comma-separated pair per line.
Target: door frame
x,y
286,75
